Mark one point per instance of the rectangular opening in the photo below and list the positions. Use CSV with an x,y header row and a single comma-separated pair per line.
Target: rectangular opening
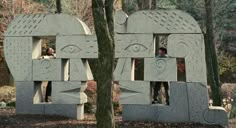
x,y
38,92
160,92
160,42
41,47
88,69
139,69
181,72
42,92
156,43
37,48
65,69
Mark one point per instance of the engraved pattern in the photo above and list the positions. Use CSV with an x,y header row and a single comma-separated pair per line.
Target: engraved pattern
x,y
18,55
161,65
162,21
25,24
77,46
191,47
71,49
160,69
69,92
48,69
136,92
170,20
134,45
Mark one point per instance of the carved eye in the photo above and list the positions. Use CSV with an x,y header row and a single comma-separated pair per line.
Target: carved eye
x,y
136,48
71,49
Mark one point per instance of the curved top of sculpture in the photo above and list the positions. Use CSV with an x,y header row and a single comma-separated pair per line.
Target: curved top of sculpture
x,y
156,21
46,25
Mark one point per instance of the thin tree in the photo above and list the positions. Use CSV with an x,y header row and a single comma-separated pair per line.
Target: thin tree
x,y
58,5
104,28
212,62
144,4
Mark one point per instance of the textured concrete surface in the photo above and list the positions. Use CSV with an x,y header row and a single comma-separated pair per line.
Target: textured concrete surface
x,y
18,54
192,48
46,25
162,21
80,70
177,111
24,104
82,46
135,92
134,45
24,99
124,70
160,69
48,69
68,110
69,92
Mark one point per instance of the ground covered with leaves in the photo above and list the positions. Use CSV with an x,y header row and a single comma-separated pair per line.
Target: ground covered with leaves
x,y
8,119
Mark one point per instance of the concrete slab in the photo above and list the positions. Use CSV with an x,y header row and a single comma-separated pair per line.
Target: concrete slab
x,y
48,70
156,21
68,110
124,70
82,46
160,69
198,101
18,54
216,115
134,45
24,99
176,112
135,92
69,92
80,70
192,48
46,25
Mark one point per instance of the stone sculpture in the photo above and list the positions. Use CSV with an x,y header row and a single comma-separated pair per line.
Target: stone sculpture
x,y
188,100
134,38
68,72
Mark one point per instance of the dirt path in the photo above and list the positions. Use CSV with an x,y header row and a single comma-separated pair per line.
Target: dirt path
x,y
8,119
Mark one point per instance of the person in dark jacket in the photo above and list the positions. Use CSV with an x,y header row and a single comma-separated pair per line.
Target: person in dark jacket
x,y
49,55
162,53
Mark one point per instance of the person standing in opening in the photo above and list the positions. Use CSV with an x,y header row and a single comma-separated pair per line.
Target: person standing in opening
x,y
162,53
181,75
50,54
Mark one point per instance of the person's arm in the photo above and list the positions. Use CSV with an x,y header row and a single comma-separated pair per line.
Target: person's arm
x,y
45,57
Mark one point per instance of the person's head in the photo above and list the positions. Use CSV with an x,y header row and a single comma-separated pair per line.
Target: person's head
x,y
181,65
162,51
49,51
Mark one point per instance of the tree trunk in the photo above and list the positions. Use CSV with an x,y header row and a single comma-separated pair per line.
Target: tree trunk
x,y
144,4
125,6
154,4
58,5
211,58
103,21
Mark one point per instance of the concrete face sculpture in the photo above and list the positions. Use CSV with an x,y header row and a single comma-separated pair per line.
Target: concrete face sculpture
x,y
134,38
23,49
188,100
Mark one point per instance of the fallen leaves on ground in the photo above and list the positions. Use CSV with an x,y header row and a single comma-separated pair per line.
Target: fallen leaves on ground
x,y
8,119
